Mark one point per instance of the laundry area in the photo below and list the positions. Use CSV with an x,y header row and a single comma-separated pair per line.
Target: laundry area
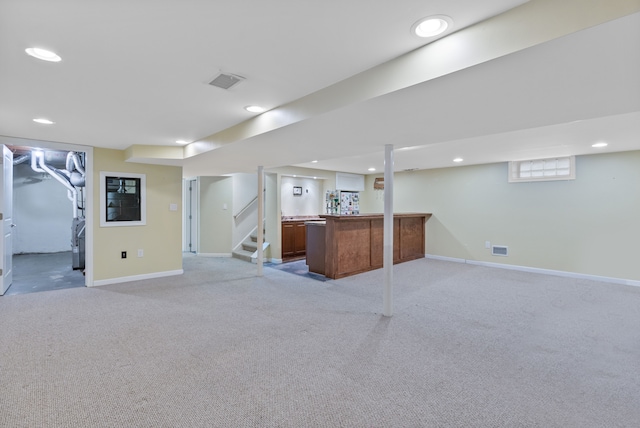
x,y
47,231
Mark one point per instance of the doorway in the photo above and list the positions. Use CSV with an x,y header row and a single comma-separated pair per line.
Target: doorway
x,y
50,213
190,215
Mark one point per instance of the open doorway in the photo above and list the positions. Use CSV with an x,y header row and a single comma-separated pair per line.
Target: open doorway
x,y
49,212
190,215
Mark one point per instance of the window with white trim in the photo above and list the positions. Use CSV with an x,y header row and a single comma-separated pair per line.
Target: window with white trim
x,y
562,168
122,199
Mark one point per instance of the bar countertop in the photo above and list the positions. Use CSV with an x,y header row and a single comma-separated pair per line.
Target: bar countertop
x,y
372,216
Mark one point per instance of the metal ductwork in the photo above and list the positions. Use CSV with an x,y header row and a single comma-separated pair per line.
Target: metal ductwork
x,y
73,177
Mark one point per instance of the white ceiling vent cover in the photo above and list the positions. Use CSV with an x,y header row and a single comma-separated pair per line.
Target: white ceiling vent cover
x,y
225,81
499,250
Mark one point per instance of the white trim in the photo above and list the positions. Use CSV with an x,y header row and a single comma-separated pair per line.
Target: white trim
x,y
214,255
88,217
561,273
514,170
195,218
137,277
445,259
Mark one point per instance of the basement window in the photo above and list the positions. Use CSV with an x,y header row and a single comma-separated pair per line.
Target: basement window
x,y
122,199
562,168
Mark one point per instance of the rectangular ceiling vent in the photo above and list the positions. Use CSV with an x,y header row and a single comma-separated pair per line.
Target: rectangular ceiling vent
x,y
499,250
226,81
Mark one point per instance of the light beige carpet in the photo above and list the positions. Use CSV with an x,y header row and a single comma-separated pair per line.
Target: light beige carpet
x,y
468,346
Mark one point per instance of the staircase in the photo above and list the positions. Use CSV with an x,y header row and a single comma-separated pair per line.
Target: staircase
x,y
248,250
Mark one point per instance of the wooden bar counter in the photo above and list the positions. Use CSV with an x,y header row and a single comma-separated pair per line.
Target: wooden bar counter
x,y
347,245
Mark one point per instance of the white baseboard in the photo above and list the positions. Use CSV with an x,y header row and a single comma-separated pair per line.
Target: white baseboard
x,y
137,277
446,259
213,255
565,274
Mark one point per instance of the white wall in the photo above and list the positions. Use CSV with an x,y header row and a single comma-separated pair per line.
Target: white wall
x,y
588,225
245,189
41,211
216,221
310,202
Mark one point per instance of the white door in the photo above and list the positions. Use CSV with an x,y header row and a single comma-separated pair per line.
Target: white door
x,y
6,213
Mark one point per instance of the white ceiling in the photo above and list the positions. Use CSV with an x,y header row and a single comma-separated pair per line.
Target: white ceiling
x,y
136,72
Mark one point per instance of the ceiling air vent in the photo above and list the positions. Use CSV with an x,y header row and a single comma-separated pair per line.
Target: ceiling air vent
x,y
225,81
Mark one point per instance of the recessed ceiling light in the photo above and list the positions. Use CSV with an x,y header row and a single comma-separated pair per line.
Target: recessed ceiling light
x,y
255,109
314,161
182,142
599,145
431,26
458,160
371,169
43,54
43,121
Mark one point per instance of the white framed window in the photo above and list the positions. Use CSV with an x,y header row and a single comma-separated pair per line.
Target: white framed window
x,y
561,168
122,199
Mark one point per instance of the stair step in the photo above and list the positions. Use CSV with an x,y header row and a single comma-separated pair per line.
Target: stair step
x,y
250,246
254,237
245,253
242,255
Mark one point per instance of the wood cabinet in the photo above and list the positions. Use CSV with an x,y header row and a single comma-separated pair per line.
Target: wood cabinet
x,y
354,243
316,245
294,238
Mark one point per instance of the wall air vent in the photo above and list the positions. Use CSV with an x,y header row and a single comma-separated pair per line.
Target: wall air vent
x,y
499,250
226,81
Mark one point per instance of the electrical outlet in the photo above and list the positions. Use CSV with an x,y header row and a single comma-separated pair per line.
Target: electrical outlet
x,y
140,253
123,254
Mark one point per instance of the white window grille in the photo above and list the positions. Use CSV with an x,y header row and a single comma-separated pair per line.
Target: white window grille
x,y
542,169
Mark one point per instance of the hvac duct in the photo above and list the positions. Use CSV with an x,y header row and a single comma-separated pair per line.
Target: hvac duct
x,y
74,179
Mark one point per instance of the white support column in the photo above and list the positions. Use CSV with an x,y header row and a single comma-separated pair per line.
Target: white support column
x,y
387,300
260,219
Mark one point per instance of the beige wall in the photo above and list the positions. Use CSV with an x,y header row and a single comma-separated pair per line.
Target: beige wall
x,y
216,223
160,238
588,225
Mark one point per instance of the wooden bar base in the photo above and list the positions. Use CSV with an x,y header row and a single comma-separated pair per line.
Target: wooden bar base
x,y
348,245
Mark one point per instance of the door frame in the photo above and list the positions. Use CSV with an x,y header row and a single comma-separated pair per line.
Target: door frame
x,y
6,273
89,190
190,205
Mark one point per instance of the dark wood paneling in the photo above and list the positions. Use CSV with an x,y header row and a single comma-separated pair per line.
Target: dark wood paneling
x,y
377,240
293,239
354,244
300,239
396,241
411,234
353,249
316,246
288,240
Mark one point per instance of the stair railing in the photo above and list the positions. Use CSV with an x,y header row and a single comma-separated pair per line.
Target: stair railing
x,y
246,207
